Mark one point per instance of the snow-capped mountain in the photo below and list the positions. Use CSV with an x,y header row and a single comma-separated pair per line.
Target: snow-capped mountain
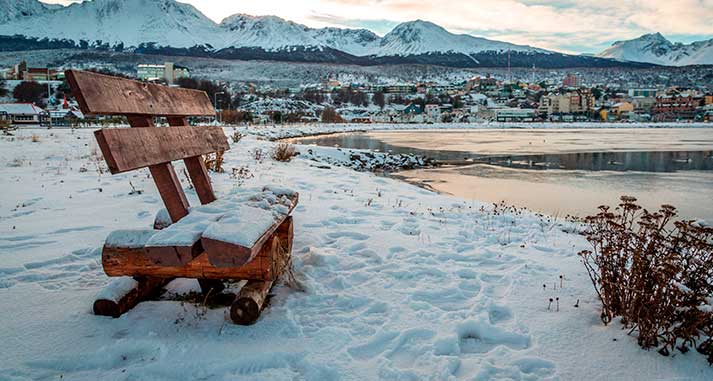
x,y
14,9
172,28
131,22
359,42
423,37
267,32
178,25
655,48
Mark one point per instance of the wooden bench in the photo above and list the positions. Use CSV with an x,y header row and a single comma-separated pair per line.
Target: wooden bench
x,y
246,237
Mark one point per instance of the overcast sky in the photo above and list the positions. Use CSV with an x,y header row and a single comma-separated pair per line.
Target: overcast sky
x,y
573,26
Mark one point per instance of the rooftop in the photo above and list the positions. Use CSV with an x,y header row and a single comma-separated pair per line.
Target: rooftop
x,y
20,109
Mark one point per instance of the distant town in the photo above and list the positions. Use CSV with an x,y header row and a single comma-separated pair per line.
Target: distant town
x,y
40,95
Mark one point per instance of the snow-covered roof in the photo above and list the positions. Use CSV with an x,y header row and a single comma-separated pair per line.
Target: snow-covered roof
x,y
66,113
21,109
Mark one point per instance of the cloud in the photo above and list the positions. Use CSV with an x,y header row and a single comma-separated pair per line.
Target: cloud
x,y
564,25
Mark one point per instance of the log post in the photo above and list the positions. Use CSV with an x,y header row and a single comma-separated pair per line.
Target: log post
x,y
123,294
250,301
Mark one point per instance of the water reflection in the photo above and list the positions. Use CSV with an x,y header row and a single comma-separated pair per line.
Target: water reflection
x,y
659,150
610,161
558,171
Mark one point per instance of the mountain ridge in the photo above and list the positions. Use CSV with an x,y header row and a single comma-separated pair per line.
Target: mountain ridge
x,y
170,27
657,49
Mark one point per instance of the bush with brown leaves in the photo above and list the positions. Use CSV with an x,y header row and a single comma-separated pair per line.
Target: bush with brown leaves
x,y
655,273
284,152
214,162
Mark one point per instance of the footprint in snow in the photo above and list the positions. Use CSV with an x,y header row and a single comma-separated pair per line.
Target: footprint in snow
x,y
347,234
80,269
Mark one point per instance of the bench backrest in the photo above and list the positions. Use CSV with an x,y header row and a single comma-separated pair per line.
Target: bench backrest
x,y
126,149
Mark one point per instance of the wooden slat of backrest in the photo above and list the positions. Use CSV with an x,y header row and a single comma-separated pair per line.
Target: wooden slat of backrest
x,y
196,169
126,149
169,187
107,95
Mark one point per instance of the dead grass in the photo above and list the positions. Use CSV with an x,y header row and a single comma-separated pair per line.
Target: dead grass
x,y
655,273
214,162
284,152
236,136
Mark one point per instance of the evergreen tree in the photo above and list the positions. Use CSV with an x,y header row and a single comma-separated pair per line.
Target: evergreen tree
x,y
3,89
378,99
30,92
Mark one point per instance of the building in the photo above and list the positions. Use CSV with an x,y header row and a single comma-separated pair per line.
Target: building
x,y
413,108
708,99
65,117
433,112
167,72
400,89
576,102
652,93
570,80
643,104
22,72
487,85
675,107
621,108
515,114
331,84
23,113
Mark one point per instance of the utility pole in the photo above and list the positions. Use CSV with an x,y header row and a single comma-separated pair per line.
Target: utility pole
x,y
49,95
215,102
509,70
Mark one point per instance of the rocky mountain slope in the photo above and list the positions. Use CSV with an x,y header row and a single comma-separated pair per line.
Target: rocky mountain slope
x,y
655,48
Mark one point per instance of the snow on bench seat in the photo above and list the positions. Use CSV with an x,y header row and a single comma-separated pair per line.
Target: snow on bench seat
x,y
180,243
236,238
129,239
231,230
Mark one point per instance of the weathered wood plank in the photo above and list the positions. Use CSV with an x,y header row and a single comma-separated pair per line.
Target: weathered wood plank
x,y
99,94
126,149
169,187
225,254
134,262
173,255
196,169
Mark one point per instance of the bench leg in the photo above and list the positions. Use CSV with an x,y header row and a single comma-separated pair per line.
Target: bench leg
x,y
250,301
124,299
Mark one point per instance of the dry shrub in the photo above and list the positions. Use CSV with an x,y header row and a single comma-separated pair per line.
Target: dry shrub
x,y
330,115
258,154
241,174
5,126
214,162
237,136
35,138
284,152
655,273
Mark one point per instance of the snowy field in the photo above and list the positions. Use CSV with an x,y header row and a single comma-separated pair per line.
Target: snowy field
x,y
401,283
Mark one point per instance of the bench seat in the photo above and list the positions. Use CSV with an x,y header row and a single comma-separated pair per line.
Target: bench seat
x,y
228,233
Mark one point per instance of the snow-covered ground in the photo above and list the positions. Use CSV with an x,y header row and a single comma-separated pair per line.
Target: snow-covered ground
x,y
401,283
